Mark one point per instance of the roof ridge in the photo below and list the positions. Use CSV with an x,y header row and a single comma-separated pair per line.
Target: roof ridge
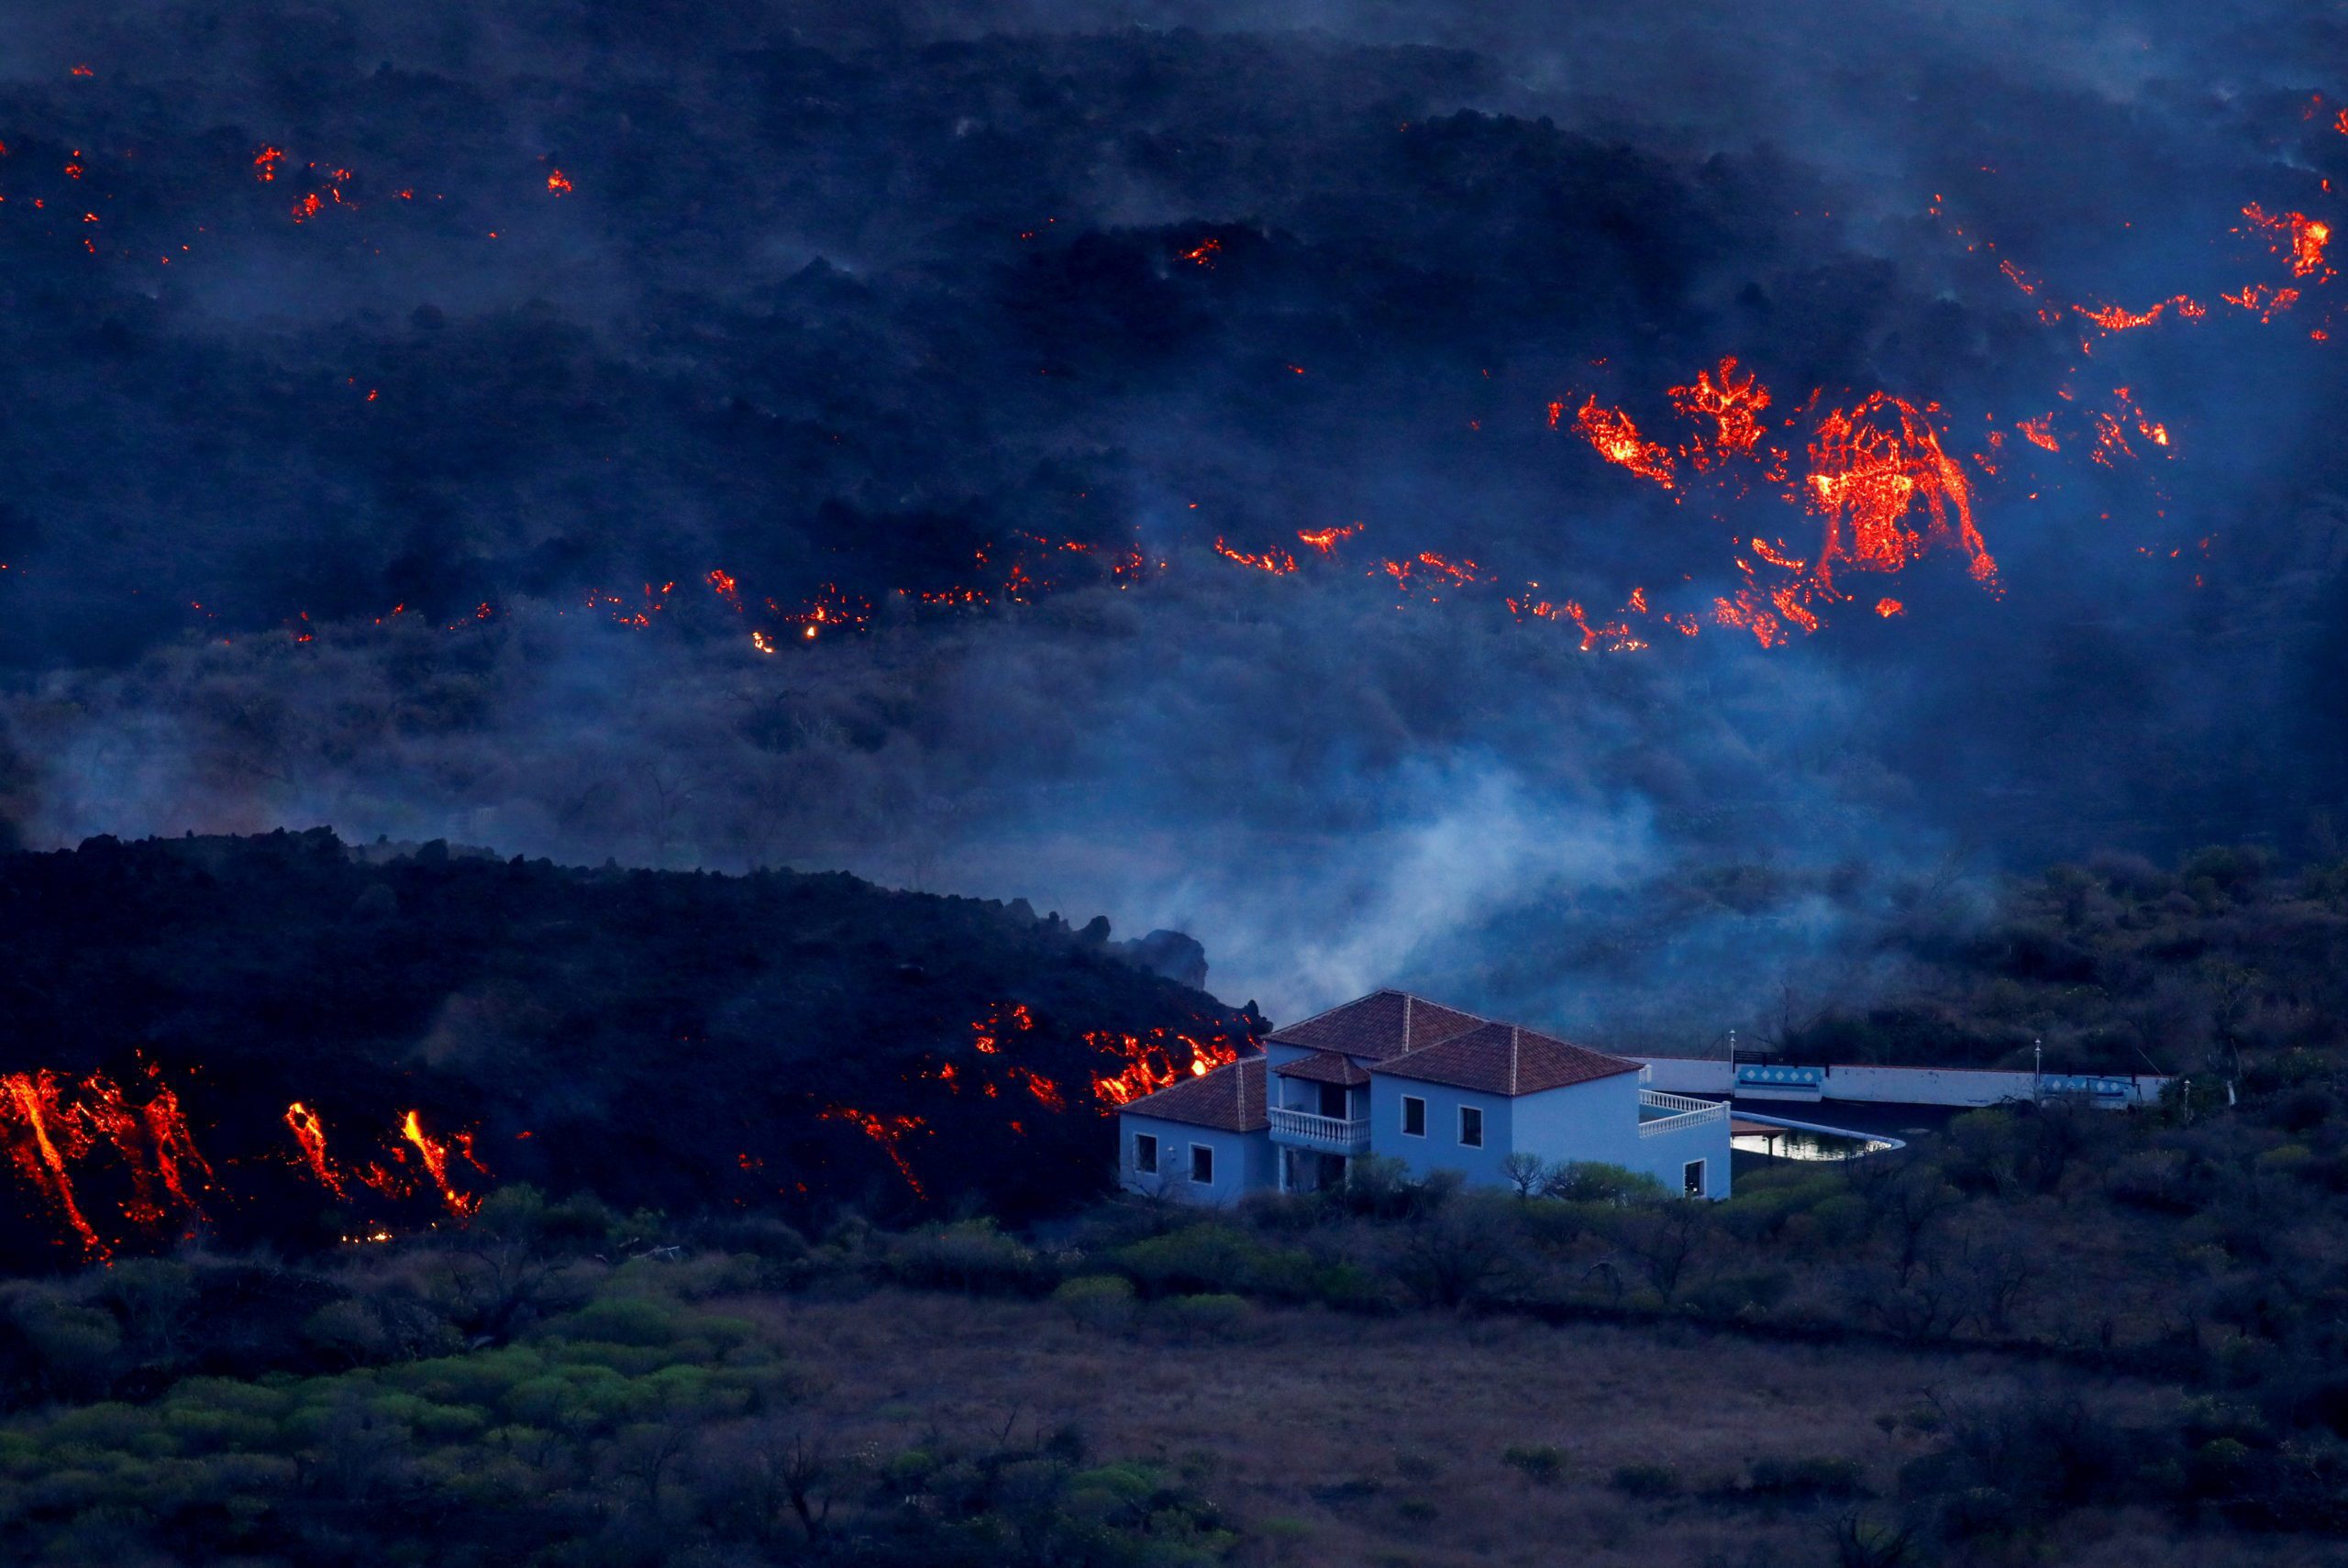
x,y
1515,1036
1340,1007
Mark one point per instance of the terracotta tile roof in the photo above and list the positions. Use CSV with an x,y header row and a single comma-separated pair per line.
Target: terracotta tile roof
x,y
1323,1067
1230,1099
1500,1059
1378,1027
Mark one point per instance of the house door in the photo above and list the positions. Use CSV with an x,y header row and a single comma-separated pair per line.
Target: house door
x,y
1332,1100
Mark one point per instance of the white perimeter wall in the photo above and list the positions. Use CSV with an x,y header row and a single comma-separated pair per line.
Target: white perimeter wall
x,y
1900,1086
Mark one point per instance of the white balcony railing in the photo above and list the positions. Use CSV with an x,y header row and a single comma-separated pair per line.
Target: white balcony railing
x,y
1680,1112
1335,1133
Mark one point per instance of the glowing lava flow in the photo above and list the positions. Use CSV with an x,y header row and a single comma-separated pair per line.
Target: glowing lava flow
x,y
435,1160
888,1132
1325,539
1150,1061
52,1129
1869,467
2263,300
311,1134
1279,563
36,1125
2111,319
389,1180
1617,440
2298,237
1733,406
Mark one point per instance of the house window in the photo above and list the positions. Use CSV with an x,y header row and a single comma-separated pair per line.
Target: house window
x,y
1144,1154
1471,1127
1691,1179
1202,1164
1414,1117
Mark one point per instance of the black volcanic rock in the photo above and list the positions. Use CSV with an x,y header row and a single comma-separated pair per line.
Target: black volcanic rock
x,y
675,1040
1178,958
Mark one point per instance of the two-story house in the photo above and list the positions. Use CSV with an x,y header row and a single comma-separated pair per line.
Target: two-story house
x,y
1437,1089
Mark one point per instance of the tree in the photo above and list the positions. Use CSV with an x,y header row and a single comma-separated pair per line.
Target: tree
x,y
1663,1239
1524,1171
1459,1253
1907,1199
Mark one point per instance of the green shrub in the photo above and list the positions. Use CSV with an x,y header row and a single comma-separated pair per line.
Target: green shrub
x,y
1820,1475
973,1256
1218,1257
74,1349
1645,1480
1543,1464
1595,1181
1102,1301
643,1322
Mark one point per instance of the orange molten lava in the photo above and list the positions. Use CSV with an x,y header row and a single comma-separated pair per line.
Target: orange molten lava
x,y
2298,238
1732,404
888,1132
435,1160
1870,466
2263,300
310,1134
2040,432
1617,440
2111,319
47,1128
558,182
41,1136
1279,563
1325,539
1150,1062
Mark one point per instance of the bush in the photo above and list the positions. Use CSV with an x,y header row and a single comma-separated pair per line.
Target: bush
x,y
1216,1257
970,1256
1595,1181
1102,1301
1818,1475
1645,1480
1543,1464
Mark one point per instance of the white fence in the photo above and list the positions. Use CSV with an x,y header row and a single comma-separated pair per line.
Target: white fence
x,y
1334,1133
1686,1112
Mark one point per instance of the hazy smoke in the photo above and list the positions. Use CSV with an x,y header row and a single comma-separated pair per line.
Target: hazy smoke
x,y
853,297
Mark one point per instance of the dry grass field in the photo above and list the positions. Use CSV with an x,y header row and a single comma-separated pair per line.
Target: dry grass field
x,y
1341,1440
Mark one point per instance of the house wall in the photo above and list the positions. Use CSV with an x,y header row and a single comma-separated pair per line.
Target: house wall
x,y
1688,1074
1440,1150
1243,1161
1898,1086
1599,1120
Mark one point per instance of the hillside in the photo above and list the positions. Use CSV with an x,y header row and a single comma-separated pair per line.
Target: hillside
x,y
280,1037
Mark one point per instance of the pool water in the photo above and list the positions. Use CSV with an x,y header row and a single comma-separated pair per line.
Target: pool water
x,y
1801,1144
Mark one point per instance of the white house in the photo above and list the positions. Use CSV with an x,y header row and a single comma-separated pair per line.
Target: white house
x,y
1437,1089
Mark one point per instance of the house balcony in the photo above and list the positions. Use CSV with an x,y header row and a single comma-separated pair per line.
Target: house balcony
x,y
1329,1134
1661,1114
